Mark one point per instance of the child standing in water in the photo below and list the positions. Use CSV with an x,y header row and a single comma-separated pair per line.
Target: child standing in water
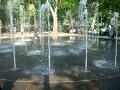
x,y
36,35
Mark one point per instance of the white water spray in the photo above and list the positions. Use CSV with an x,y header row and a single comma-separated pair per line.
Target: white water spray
x,y
21,4
116,15
10,5
84,15
0,31
49,48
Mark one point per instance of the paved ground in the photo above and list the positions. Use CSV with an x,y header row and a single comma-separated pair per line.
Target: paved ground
x,y
53,82
104,84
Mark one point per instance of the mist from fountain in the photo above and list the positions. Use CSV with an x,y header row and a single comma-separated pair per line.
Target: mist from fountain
x,y
95,21
42,10
42,23
42,15
22,26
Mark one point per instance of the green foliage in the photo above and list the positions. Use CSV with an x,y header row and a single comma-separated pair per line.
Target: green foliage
x,y
66,5
106,8
65,29
108,5
3,11
35,2
31,10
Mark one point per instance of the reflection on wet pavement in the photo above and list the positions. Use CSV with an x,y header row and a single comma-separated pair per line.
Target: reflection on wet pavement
x,y
67,64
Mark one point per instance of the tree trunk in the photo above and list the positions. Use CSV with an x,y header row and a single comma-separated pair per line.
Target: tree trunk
x,y
94,21
54,14
55,24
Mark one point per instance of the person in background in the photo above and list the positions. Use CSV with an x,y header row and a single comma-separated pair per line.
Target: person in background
x,y
36,35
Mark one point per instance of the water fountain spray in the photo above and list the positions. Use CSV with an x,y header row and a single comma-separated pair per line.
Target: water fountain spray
x,y
95,20
10,5
0,30
44,7
86,28
81,15
21,3
97,8
41,12
49,48
40,15
35,24
85,17
115,19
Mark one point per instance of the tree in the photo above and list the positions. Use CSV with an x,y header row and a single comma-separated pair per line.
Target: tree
x,y
54,9
59,8
62,6
107,7
3,9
